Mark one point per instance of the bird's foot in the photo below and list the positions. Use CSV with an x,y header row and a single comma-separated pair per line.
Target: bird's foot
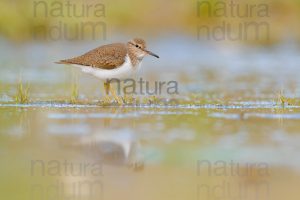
x,y
137,165
119,100
128,99
106,100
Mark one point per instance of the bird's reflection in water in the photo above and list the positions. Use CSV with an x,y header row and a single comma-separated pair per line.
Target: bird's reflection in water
x,y
108,142
118,148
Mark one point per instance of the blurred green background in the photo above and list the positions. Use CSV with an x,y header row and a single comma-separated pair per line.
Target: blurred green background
x,y
21,20
239,99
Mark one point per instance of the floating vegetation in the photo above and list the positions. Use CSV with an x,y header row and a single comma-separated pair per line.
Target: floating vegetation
x,y
144,103
129,99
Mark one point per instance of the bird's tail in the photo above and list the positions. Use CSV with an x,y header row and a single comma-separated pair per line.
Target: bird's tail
x,y
61,62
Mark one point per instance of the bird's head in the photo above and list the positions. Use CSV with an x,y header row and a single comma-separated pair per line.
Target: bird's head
x,y
138,47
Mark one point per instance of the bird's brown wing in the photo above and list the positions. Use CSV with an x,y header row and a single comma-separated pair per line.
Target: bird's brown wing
x,y
105,57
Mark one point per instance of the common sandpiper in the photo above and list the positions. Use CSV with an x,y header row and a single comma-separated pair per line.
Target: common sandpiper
x,y
112,61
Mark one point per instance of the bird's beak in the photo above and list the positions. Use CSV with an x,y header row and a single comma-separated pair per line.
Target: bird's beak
x,y
150,53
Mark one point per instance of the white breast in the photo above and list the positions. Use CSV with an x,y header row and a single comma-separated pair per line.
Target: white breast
x,y
126,70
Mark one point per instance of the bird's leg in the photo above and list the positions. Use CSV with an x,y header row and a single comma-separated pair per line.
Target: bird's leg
x,y
117,98
135,158
128,98
106,88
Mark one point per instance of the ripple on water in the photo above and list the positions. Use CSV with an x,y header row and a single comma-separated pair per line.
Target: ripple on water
x,y
47,105
273,116
68,129
102,115
236,148
225,115
235,116
255,103
91,115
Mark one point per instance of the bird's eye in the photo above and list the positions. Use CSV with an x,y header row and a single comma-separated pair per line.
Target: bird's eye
x,y
136,45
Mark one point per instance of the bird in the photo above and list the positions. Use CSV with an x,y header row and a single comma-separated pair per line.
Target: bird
x,y
112,61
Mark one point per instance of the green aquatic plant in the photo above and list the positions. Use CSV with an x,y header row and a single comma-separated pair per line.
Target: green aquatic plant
x,y
22,94
74,98
283,100
153,100
74,93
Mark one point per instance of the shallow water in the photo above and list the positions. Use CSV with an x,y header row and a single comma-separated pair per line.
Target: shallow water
x,y
227,137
